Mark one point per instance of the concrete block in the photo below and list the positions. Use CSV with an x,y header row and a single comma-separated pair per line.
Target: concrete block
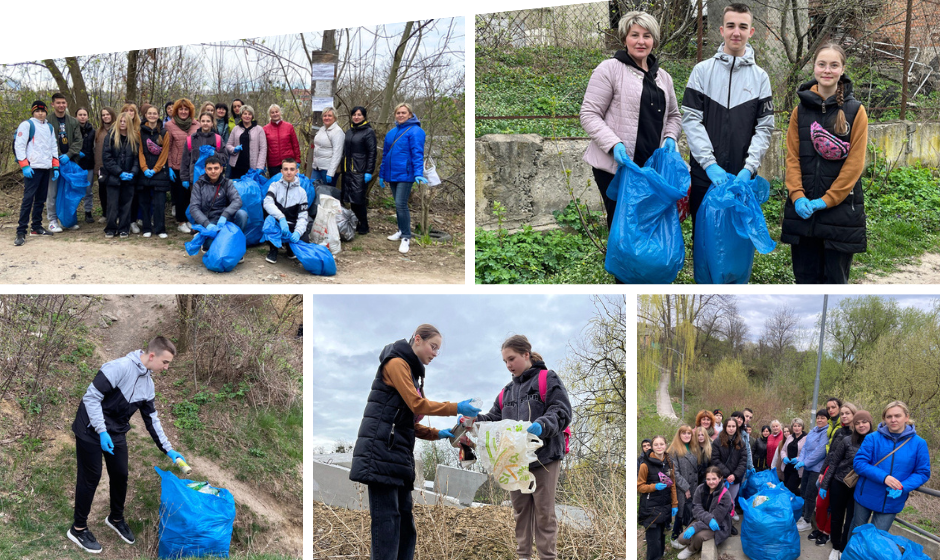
x,y
458,483
709,550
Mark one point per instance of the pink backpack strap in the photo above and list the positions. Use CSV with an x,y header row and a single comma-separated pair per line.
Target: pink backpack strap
x,y
501,398
543,384
189,143
218,143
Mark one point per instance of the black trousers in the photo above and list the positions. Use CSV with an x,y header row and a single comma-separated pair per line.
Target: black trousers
x,y
791,480
656,540
841,513
696,196
34,200
603,179
362,214
814,264
119,208
273,170
103,196
305,237
153,210
88,457
180,197
393,524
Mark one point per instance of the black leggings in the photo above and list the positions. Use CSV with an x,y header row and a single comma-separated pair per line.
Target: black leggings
x,y
89,473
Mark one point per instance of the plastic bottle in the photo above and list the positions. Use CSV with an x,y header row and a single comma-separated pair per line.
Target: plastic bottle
x,y
184,468
476,402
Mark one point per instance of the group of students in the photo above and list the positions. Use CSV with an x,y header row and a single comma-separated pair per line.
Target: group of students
x,y
845,459
137,158
630,110
383,458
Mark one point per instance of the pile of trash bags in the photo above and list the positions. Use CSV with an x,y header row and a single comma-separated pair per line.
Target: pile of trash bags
x,y
315,259
870,543
227,249
505,450
71,189
759,481
249,189
194,522
768,528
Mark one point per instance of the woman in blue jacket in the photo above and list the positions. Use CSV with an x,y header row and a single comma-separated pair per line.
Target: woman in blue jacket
x,y
402,166
810,459
885,478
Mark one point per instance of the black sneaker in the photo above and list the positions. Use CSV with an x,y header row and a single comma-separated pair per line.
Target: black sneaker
x,y
121,528
20,240
822,540
290,255
734,530
88,218
40,231
84,539
813,535
272,256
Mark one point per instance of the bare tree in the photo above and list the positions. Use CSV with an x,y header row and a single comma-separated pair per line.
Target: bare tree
x,y
780,330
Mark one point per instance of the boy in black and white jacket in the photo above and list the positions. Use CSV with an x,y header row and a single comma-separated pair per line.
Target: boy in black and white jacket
x,y
286,200
37,152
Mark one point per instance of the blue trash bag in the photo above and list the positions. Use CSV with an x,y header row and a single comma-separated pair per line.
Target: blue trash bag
x,y
271,231
645,244
199,168
768,531
249,189
316,259
226,250
759,481
71,189
728,227
192,523
870,543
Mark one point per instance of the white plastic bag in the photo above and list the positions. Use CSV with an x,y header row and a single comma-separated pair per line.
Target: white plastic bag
x,y
505,450
430,173
325,229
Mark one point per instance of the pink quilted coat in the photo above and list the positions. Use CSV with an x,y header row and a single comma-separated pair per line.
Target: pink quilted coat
x,y
611,111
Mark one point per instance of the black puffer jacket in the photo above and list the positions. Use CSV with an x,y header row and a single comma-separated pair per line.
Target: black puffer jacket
x,y
358,158
731,460
115,161
88,146
759,452
384,452
656,506
840,459
160,181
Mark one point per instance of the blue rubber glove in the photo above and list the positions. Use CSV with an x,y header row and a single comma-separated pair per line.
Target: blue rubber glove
x,y
787,461
212,228
535,429
149,173
803,207
237,149
55,174
172,175
675,511
260,170
222,221
716,174
185,184
174,455
295,237
727,485
744,175
713,525
285,227
799,465
126,176
421,179
28,172
822,493
106,444
81,154
669,144
368,177
467,409
752,472
660,485
442,434
63,159
329,179
688,533
620,154
892,493
381,183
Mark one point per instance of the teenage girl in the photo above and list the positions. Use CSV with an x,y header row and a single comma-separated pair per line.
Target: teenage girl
x,y
658,499
824,217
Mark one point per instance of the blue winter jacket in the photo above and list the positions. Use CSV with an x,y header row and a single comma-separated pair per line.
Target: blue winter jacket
x,y
911,466
403,153
814,450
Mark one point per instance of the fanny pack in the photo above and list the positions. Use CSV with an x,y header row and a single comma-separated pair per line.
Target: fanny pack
x,y
827,145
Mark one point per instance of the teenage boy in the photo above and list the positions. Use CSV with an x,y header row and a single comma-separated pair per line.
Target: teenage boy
x,y
727,110
120,388
35,149
215,200
286,200
69,136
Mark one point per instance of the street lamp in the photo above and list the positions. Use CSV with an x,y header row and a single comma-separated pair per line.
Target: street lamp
x,y
681,364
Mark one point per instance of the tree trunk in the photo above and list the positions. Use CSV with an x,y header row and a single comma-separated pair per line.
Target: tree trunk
x,y
185,304
79,91
131,96
384,114
60,81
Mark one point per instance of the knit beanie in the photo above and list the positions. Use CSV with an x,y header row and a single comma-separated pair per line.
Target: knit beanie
x,y
38,105
863,415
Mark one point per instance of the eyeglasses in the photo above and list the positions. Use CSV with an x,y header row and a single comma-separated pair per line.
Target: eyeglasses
x,y
435,348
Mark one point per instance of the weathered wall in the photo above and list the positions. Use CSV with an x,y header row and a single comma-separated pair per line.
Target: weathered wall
x,y
532,176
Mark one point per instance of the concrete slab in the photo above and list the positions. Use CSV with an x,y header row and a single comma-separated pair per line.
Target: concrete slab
x,y
331,486
458,483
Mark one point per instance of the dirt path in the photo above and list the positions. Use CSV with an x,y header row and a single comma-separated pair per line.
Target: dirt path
x,y
927,271
663,402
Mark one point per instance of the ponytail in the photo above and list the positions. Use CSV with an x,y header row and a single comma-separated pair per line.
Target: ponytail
x,y
425,331
841,127
521,345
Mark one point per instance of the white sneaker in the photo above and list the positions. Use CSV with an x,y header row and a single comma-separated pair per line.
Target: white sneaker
x,y
835,555
802,525
75,227
135,228
173,211
54,227
184,227
403,248
685,554
676,545
148,234
162,235
395,236
140,223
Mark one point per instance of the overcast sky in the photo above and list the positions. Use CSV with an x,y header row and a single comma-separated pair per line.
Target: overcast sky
x,y
349,332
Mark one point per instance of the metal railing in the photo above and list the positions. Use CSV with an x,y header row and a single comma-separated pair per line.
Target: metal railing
x,y
918,530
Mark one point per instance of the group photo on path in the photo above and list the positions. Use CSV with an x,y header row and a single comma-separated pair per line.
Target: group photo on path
x,y
784,427
777,146
156,148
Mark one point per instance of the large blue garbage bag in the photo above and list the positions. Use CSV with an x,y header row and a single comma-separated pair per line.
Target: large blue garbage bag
x,y
728,227
316,259
645,243
192,523
869,543
768,531
759,481
226,250
199,168
271,231
71,188
249,189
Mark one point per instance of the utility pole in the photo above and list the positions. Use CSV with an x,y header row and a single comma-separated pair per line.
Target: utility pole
x,y
822,334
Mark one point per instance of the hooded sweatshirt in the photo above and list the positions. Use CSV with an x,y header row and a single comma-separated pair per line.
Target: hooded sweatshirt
x,y
287,200
120,388
911,466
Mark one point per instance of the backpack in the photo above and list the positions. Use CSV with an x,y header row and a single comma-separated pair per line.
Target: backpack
x,y
32,130
189,142
543,390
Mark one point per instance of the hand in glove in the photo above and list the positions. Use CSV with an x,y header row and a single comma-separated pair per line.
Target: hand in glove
x,y
381,183
106,444
149,173
716,174
894,493
713,525
660,485
81,154
669,144
727,485
127,176
28,172
174,455
212,228
688,533
55,174
185,184
285,227
442,434
822,493
222,221
799,465
464,421
787,460
329,180
172,175
237,149
744,175
467,409
295,237
535,429
63,159
421,179
675,511
368,177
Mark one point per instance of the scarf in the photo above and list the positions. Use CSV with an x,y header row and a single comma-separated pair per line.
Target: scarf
x,y
243,163
183,124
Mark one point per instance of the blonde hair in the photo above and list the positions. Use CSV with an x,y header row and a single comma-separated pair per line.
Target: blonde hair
x,y
132,108
642,19
406,106
704,448
797,422
133,133
251,111
677,447
899,404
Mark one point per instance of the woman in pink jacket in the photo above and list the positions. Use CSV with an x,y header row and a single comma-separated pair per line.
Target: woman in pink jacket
x,y
630,106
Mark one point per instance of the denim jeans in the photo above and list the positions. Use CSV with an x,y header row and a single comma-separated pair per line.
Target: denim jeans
x,y
393,525
880,520
240,219
50,199
34,197
402,192
320,174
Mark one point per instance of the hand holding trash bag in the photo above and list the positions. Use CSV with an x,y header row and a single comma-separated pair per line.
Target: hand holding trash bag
x,y
467,409
744,175
212,228
442,434
716,174
669,145
713,525
535,429
63,159
106,444
285,227
221,221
